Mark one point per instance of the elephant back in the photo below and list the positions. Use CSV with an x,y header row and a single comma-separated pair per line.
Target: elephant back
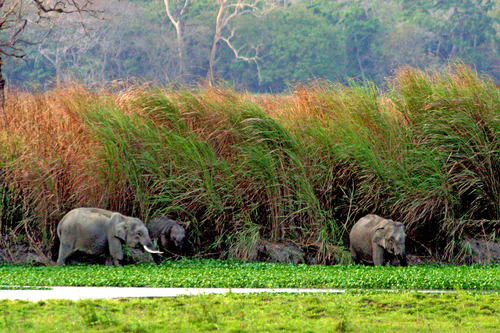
x,y
369,221
159,225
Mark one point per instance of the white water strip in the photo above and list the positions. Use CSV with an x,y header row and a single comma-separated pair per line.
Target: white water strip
x,y
78,293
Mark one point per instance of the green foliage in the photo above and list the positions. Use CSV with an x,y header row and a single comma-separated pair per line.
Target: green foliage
x,y
243,170
294,42
365,311
457,29
157,155
11,210
162,160
236,274
458,126
299,46
433,137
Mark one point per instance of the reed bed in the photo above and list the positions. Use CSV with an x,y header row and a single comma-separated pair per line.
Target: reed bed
x,y
243,169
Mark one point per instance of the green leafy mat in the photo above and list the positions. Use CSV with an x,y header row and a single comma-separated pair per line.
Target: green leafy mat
x,y
234,274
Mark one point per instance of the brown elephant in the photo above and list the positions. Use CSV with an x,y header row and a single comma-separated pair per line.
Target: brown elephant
x,y
97,231
377,241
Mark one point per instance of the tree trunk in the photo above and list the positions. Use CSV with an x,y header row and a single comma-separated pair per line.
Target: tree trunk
x,y
176,20
210,75
360,64
180,50
2,94
217,36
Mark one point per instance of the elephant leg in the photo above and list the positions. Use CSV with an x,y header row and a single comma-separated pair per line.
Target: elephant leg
x,y
116,250
402,260
378,255
355,256
64,252
109,261
389,259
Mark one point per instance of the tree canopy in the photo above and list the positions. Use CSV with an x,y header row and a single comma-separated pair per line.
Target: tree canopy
x,y
268,46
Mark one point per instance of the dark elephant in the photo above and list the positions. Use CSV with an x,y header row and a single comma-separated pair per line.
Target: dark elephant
x,y
169,234
377,241
97,231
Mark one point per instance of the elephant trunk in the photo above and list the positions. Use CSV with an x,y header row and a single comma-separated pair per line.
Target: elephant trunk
x,y
402,259
399,249
147,249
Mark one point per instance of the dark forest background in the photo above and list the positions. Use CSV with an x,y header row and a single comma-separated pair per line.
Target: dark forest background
x,y
265,48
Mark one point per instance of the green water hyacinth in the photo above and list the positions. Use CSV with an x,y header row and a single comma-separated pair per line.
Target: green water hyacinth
x,y
235,274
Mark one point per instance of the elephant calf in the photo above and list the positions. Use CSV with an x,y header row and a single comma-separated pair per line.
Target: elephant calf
x,y
98,231
170,235
376,241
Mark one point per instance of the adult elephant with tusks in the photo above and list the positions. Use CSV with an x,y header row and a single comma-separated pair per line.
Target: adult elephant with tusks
x,y
377,241
98,231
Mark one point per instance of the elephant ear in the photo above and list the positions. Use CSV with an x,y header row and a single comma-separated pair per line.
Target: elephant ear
x,y
381,231
120,226
400,225
163,241
167,230
165,235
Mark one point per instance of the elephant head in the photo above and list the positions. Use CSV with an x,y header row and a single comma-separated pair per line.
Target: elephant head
x,y
391,236
176,234
130,231
169,233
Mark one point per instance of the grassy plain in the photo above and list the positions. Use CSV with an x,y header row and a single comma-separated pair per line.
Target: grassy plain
x,y
362,308
357,312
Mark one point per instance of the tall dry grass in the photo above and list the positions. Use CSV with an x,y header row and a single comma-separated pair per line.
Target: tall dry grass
x,y
244,170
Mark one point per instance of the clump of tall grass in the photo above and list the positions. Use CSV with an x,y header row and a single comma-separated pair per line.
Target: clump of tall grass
x,y
213,158
45,155
425,152
455,134
244,169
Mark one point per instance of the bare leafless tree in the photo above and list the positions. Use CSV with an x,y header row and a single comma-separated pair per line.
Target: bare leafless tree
x,y
175,15
228,10
251,53
17,15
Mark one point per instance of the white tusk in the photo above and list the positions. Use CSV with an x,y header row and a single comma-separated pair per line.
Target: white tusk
x,y
151,251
